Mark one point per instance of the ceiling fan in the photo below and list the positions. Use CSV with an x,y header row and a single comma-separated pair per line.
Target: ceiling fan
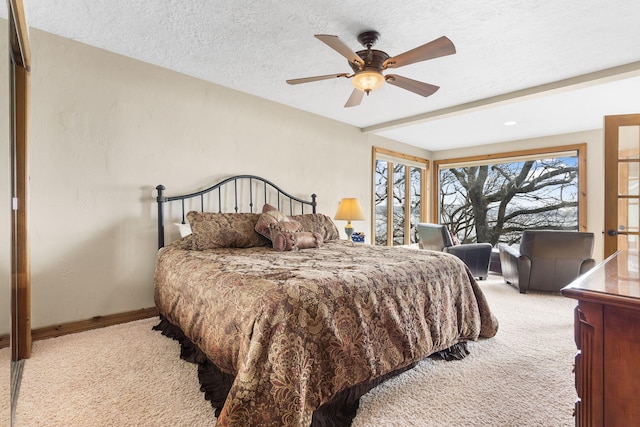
x,y
368,65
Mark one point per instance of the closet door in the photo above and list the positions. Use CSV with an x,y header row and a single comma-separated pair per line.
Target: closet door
x,y
19,71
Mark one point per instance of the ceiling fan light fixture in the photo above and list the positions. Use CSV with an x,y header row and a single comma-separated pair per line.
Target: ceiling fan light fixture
x,y
368,65
367,81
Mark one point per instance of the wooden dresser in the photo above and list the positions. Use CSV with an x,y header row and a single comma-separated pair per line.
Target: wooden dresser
x,y
607,334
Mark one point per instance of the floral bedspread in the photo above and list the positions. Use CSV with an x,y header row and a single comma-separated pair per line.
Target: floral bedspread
x,y
297,327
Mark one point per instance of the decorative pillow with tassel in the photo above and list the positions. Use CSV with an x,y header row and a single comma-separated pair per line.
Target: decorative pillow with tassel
x,y
272,216
284,240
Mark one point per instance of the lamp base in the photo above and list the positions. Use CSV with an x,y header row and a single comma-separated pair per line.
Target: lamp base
x,y
349,231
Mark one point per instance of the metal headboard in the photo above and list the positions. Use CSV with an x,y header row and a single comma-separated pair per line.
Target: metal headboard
x,y
269,188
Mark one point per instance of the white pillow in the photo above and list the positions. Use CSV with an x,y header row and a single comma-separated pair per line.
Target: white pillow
x,y
184,229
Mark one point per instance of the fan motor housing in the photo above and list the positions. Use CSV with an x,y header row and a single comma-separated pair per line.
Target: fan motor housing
x,y
373,60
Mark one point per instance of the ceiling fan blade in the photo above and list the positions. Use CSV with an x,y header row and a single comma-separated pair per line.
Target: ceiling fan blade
x,y
355,99
338,45
316,78
434,49
423,89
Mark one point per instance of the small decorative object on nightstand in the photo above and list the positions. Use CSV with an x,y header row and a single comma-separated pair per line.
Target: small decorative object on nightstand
x,y
357,237
349,210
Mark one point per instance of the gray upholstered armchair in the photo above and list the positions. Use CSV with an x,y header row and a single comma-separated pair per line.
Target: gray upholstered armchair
x,y
436,237
547,260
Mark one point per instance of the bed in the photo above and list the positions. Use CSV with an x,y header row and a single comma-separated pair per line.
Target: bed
x,y
295,337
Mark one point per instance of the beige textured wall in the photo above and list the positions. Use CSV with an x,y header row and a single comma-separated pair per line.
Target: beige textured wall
x,y
108,129
595,170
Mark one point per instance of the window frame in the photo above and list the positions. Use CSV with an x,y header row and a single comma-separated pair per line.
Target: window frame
x,y
409,161
580,149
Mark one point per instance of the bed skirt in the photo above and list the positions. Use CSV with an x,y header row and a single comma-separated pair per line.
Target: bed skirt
x,y
338,412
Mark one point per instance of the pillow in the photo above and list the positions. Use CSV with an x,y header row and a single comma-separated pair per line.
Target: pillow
x,y
184,229
224,230
289,241
271,216
318,223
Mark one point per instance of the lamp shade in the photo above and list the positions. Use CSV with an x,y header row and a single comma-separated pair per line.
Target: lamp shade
x,y
349,209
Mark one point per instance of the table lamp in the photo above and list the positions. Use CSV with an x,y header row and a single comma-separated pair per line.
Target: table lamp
x,y
349,210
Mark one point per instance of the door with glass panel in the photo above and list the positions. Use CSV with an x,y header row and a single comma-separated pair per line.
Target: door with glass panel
x,y
399,186
622,183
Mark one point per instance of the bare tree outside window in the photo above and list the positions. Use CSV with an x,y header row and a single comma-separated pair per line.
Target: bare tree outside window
x,y
381,201
495,202
415,201
399,193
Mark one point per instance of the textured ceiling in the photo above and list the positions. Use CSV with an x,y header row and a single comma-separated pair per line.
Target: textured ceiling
x,y
503,47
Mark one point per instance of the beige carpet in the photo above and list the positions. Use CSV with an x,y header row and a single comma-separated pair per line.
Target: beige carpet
x,y
129,375
5,386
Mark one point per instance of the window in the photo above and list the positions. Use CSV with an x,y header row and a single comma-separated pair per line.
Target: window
x,y
399,186
494,198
